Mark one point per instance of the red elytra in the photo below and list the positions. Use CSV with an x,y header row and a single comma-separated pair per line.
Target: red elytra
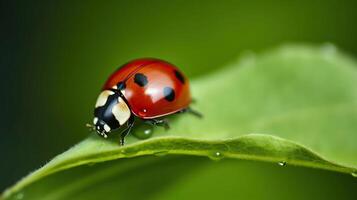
x,y
148,100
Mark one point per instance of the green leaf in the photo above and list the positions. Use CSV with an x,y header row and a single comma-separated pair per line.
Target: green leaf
x,y
295,105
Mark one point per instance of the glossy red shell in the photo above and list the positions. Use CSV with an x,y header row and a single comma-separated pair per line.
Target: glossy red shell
x,y
149,101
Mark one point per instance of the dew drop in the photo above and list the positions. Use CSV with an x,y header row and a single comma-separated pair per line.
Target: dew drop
x,y
354,174
19,196
90,164
282,163
143,112
216,156
128,153
161,153
144,131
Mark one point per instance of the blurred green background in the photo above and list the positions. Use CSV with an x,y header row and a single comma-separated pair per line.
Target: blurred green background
x,y
56,55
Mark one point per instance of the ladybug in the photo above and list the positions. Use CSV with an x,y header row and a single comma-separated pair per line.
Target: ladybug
x,y
148,89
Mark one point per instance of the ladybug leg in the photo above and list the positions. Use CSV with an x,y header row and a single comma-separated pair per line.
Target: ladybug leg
x,y
159,122
127,130
191,111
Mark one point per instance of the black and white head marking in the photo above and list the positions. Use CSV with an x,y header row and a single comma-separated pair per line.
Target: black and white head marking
x,y
111,111
121,111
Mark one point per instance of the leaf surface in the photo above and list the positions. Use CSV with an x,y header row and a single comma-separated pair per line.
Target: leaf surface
x,y
294,105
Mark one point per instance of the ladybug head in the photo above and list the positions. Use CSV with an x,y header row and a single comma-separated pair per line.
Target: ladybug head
x,y
101,127
110,112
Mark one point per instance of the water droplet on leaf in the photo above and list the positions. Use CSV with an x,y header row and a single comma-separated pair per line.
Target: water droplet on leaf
x,y
216,156
282,163
127,152
144,131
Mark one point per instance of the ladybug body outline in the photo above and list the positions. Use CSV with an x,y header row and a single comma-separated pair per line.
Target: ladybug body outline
x,y
148,89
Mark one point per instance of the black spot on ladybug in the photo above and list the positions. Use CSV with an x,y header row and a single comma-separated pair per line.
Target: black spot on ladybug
x,y
169,94
140,79
179,76
121,85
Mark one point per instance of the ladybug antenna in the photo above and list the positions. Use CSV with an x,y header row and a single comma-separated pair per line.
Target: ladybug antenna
x,y
91,127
